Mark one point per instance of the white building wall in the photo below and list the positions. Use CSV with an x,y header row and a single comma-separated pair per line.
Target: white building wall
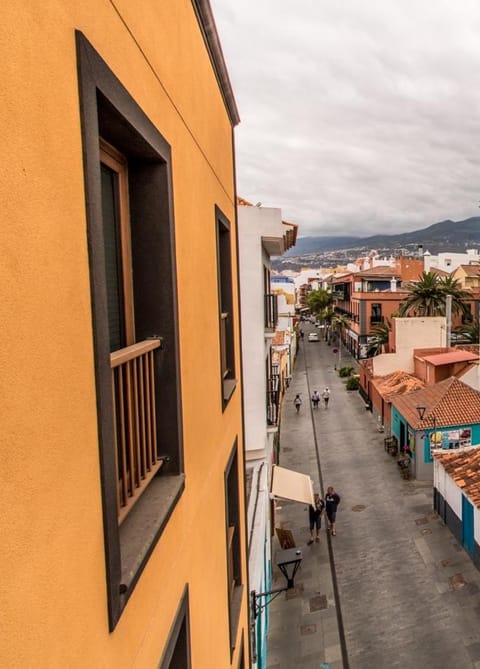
x,y
411,333
449,261
260,232
439,477
257,514
472,377
253,224
259,541
453,495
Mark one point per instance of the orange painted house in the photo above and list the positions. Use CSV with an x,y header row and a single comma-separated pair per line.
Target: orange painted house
x,y
123,510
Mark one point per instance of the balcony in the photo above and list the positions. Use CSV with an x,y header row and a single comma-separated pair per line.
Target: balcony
x,y
271,311
273,399
133,383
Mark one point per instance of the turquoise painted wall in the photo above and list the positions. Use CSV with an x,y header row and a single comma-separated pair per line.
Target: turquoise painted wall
x,y
421,453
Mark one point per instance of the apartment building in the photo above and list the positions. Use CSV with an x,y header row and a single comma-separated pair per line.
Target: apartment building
x,y
370,297
266,353
123,499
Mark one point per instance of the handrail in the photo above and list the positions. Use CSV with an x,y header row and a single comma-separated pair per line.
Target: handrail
x,y
133,386
123,355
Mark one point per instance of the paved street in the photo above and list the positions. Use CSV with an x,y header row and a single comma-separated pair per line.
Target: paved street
x,y
393,588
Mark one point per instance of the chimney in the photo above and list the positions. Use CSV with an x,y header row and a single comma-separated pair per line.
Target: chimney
x,y
420,250
393,285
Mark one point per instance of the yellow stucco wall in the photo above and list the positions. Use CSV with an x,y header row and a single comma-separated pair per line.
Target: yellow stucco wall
x,y
54,611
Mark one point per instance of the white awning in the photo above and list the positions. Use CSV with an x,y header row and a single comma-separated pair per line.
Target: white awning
x,y
291,485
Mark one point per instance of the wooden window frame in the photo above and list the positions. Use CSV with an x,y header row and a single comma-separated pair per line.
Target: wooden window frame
x,y
233,543
117,162
108,112
226,307
180,627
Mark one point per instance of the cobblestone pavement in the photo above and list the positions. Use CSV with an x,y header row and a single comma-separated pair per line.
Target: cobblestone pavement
x,y
393,588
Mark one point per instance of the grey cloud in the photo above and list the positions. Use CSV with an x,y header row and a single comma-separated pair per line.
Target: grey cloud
x,y
356,114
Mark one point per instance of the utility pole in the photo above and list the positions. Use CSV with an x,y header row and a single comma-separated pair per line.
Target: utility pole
x,y
448,314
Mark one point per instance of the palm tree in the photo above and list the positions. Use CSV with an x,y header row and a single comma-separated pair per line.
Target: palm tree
x,y
381,332
428,296
453,287
340,323
327,316
319,300
471,331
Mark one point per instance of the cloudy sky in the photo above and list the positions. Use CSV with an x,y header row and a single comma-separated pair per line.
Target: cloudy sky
x,y
356,115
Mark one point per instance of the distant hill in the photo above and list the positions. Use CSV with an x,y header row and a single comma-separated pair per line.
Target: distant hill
x,y
446,235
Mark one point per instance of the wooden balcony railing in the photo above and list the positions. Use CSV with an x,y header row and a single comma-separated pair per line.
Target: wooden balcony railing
x,y
273,399
133,384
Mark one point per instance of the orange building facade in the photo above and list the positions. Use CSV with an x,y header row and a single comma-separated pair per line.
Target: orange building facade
x,y
122,442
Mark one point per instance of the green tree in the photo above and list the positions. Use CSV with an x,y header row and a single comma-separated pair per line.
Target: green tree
x,y
453,287
471,331
428,296
319,300
340,324
381,332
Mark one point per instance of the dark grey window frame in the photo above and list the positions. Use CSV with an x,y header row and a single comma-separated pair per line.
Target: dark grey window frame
x,y
232,512
107,110
225,301
179,633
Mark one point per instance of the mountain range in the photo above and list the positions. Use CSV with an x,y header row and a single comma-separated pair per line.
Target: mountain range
x,y
454,236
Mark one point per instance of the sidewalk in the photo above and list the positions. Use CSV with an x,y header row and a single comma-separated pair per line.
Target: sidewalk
x,y
409,594
304,630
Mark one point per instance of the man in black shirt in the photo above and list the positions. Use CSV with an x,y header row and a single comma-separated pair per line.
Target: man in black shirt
x,y
332,500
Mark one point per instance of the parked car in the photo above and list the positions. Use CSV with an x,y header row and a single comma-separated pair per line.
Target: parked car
x,y
313,336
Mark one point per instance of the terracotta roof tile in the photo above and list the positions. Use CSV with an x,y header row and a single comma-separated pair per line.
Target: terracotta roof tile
x,y
464,468
396,383
440,272
452,402
471,270
380,271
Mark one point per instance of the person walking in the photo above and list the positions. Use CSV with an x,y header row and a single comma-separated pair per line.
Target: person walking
x,y
326,397
332,500
315,511
315,399
298,402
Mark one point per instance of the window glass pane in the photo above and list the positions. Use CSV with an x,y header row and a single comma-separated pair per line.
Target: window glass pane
x,y
113,264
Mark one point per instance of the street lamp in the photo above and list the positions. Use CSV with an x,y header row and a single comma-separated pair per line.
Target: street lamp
x,y
421,413
288,561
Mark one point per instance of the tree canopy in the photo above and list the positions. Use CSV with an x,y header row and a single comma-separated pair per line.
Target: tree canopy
x,y
428,296
380,332
319,300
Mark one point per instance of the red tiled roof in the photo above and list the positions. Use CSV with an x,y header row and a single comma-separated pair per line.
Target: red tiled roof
x,y
381,271
464,468
450,358
452,402
471,270
440,272
340,275
396,383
